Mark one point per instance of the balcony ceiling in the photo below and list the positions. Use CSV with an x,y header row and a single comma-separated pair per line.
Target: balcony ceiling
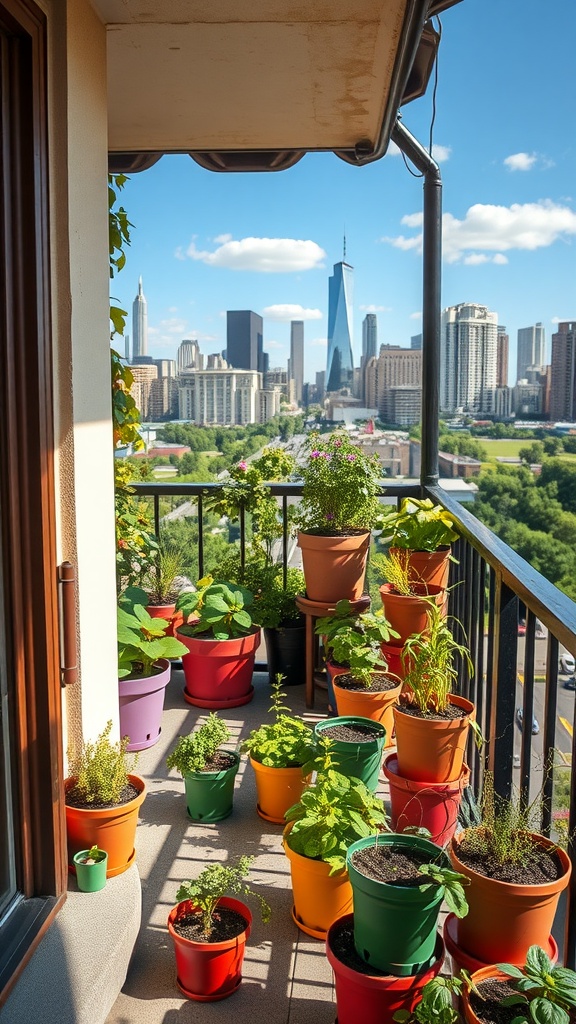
x,y
222,76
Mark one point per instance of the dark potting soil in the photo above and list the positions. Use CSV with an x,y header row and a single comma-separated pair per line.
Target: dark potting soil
x,y
352,733
487,1008
74,799
342,945
379,683
220,761
227,924
541,867
447,714
393,864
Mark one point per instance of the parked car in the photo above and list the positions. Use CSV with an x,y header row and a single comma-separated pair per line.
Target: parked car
x,y
522,627
569,683
566,663
520,719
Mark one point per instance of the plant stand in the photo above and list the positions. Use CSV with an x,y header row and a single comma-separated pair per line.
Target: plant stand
x,y
313,610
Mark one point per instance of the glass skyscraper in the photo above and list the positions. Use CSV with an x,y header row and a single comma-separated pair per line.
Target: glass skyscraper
x,y
139,324
340,361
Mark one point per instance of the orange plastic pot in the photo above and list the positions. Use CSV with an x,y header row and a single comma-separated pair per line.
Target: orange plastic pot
x,y
505,919
319,897
482,975
429,567
277,789
379,707
208,971
462,961
109,828
432,750
334,567
407,613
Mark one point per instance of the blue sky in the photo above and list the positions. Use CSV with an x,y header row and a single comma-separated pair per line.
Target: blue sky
x,y
506,136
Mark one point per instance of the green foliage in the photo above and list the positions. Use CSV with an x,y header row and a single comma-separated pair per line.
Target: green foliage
x,y
125,413
287,742
546,994
504,833
355,640
101,769
135,540
341,484
420,526
461,443
274,604
214,882
160,580
332,813
217,609
436,1005
142,640
450,882
429,661
192,753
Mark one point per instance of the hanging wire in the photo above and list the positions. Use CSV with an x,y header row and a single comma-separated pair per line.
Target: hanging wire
x,y
418,174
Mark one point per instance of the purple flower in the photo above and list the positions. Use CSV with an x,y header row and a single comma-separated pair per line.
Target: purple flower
x,y
329,515
351,458
242,465
337,444
326,455
314,454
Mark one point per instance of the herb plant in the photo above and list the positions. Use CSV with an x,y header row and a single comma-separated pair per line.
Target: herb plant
x,y
504,834
286,742
218,610
429,661
192,753
161,580
274,604
355,640
332,813
546,994
341,486
450,882
436,1005
420,526
101,768
142,640
214,882
394,568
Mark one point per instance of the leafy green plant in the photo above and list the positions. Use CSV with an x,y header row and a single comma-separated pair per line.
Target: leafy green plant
x,y
429,660
214,882
218,610
332,813
194,752
287,742
450,882
546,994
274,604
504,834
420,525
355,640
100,769
436,1005
142,640
341,484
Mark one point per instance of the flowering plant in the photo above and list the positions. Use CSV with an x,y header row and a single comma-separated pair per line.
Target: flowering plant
x,y
341,486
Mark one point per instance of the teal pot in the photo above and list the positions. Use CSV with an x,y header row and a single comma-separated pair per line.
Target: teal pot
x,y
358,760
286,653
91,877
210,795
394,925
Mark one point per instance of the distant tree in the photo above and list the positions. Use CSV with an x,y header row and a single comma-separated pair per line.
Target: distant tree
x,y
553,445
533,453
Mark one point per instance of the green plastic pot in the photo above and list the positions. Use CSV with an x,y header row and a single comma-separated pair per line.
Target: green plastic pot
x,y
91,877
395,926
357,760
210,795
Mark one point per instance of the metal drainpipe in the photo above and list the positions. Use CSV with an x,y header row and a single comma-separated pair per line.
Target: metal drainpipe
x,y
431,297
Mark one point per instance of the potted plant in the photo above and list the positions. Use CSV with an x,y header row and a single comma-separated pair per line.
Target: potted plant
x,y
536,993
515,879
90,866
357,745
163,582
432,806
358,670
338,510
278,751
436,1005
332,812
208,771
210,929
221,641
426,531
102,799
405,602
431,722
144,650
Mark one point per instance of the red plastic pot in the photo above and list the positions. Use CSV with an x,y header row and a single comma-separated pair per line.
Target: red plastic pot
x,y
462,960
375,998
424,804
207,971
218,673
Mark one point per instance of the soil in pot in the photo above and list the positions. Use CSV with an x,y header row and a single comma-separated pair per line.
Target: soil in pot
x,y
448,714
74,799
393,865
486,1006
540,867
342,944
227,924
379,683
351,733
220,762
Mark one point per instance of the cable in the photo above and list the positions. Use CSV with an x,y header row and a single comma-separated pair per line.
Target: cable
x,y
417,174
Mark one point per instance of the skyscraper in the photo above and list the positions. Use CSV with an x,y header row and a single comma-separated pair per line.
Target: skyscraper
x,y
297,357
188,355
244,336
468,358
340,361
139,324
531,349
397,368
563,373
369,337
502,358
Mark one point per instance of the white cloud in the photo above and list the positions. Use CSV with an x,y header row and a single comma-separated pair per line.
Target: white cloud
x,y
179,253
441,153
415,316
500,259
286,311
274,344
475,259
375,309
222,239
413,220
319,342
520,161
526,226
265,255
393,149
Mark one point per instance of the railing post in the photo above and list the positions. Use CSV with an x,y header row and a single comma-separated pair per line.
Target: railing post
x,y
504,672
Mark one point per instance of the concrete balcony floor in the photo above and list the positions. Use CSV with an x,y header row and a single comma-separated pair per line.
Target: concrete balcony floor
x,y
286,977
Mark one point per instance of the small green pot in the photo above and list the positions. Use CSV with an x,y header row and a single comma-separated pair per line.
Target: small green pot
x,y
357,760
210,795
395,926
91,877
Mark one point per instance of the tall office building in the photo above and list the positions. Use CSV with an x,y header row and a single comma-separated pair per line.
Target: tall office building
x,y
397,367
244,339
297,357
340,361
139,324
144,375
369,337
531,349
563,373
468,358
502,342
222,396
188,355
416,341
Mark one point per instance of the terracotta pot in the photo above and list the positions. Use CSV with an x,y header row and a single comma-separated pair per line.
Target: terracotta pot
x,y
207,971
319,897
505,919
334,567
430,567
378,707
461,960
109,828
429,805
141,706
277,790
218,673
406,613
432,750
375,998
482,975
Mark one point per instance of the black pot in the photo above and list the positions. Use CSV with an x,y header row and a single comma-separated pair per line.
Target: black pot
x,y
286,653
